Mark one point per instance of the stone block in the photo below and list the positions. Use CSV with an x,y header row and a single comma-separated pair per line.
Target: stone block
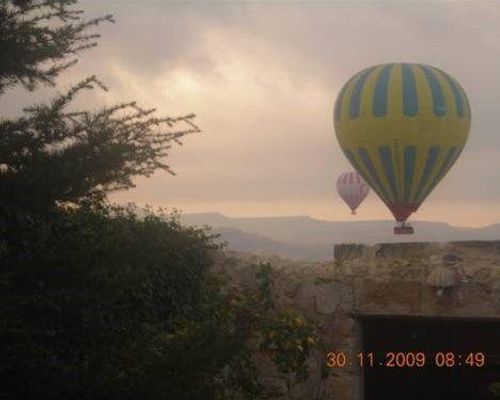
x,y
451,259
389,295
402,250
344,252
323,297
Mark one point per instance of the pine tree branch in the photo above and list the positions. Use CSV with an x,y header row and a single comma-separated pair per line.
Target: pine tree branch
x,y
88,154
34,33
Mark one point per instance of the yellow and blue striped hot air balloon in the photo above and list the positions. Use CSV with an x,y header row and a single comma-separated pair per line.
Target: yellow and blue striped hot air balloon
x,y
402,126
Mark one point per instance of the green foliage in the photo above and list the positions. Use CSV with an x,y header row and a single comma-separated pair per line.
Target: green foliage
x,y
52,156
284,335
36,38
99,304
55,155
87,297
289,340
96,303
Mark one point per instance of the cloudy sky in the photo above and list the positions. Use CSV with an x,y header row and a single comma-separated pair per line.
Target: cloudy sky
x,y
262,78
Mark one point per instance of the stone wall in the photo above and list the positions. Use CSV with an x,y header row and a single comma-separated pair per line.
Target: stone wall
x,y
453,280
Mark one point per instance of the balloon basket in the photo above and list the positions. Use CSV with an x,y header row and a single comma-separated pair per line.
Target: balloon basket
x,y
403,230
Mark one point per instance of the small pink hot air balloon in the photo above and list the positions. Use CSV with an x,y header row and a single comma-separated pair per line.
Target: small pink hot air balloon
x,y
352,188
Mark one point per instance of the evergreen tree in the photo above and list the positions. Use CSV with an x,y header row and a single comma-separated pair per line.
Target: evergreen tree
x,y
51,155
33,33
97,303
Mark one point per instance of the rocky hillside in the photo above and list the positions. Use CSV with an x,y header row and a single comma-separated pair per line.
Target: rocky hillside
x,y
305,238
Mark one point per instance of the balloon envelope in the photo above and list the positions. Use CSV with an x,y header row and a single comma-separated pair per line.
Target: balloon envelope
x,y
402,126
352,189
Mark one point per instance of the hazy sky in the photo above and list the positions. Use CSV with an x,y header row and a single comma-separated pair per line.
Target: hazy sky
x,y
262,78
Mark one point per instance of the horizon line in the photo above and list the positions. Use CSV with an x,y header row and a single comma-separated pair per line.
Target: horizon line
x,y
330,220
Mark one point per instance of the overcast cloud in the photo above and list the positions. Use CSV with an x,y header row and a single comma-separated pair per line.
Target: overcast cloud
x,y
262,78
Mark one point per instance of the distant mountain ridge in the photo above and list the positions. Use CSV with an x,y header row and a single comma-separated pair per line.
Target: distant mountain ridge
x,y
306,238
